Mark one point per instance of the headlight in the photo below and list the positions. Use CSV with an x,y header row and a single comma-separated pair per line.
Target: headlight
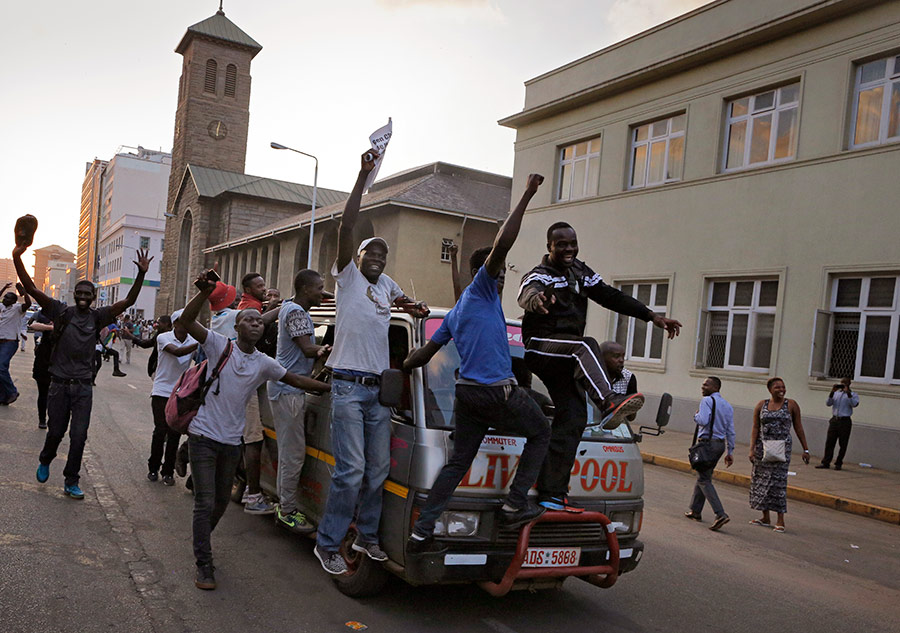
x,y
624,521
456,523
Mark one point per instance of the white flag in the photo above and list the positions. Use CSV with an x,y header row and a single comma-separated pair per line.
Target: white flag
x,y
379,140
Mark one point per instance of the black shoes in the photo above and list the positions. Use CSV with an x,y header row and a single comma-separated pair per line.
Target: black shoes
x,y
618,407
827,466
719,522
168,480
837,467
205,579
153,476
119,374
522,516
42,424
427,545
690,515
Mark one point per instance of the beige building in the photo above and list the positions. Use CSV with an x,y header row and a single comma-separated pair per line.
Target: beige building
x,y
43,258
7,271
418,211
736,168
89,220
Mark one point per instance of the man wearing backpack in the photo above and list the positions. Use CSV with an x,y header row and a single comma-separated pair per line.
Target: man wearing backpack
x,y
76,330
214,434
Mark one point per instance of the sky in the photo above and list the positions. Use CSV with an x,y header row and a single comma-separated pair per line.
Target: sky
x,y
84,78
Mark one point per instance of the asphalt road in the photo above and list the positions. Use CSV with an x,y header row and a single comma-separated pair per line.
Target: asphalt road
x,y
121,559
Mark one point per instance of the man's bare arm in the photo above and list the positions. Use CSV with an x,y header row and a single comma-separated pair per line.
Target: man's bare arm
x,y
351,211
420,356
508,233
304,382
27,283
183,350
189,315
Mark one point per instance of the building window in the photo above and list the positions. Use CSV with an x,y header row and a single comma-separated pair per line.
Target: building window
x,y
642,341
657,152
737,326
209,82
145,242
859,335
230,80
579,170
876,102
762,128
446,243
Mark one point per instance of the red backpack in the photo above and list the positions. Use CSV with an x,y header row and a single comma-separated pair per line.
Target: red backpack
x,y
190,392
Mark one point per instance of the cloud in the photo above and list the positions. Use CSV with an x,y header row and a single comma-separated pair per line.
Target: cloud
x,y
401,4
630,17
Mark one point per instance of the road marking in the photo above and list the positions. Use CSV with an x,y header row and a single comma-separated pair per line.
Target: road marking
x,y
497,625
132,386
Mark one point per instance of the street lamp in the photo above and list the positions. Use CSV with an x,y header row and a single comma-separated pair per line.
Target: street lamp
x,y
312,219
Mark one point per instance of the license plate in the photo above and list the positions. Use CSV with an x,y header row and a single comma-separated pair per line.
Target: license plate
x,y
552,557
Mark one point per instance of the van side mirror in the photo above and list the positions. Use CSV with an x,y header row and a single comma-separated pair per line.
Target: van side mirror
x,y
391,388
663,413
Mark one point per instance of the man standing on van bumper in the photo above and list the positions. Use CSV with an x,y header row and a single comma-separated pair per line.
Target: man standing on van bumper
x,y
360,425
487,395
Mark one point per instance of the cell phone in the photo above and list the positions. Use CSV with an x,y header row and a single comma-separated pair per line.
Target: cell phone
x,y
213,276
839,386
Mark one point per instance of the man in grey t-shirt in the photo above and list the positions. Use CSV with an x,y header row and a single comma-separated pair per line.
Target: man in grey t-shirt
x,y
360,425
297,352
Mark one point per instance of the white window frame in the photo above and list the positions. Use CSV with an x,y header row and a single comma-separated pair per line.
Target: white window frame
x,y
891,79
648,142
752,115
594,148
865,313
752,311
659,308
445,249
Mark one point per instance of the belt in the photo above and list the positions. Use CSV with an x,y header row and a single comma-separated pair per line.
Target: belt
x,y
368,381
70,381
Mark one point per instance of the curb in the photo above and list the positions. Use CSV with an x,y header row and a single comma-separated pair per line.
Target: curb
x,y
888,515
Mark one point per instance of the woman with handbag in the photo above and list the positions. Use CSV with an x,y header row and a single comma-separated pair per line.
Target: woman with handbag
x,y
770,453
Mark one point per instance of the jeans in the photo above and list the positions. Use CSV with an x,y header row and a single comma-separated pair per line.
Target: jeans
x,y
164,440
288,410
361,441
68,402
569,421
838,431
704,489
213,465
478,409
8,349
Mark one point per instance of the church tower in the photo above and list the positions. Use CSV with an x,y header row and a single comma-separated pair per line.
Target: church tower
x,y
211,122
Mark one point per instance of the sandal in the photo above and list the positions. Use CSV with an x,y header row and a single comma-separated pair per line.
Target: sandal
x,y
779,529
760,522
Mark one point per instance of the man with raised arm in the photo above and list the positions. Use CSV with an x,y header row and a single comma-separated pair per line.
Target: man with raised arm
x,y
555,297
215,432
11,315
487,395
360,426
76,330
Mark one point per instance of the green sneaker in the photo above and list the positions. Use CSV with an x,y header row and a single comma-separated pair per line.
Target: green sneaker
x,y
294,521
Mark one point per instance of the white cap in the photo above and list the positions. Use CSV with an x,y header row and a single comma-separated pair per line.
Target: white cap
x,y
176,315
368,241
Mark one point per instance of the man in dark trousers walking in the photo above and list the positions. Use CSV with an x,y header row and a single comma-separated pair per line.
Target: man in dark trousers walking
x,y
842,401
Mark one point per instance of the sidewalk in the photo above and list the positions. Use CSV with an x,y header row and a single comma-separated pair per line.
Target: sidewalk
x,y
864,491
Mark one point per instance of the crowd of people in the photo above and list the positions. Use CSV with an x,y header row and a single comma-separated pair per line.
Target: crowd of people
x,y
260,352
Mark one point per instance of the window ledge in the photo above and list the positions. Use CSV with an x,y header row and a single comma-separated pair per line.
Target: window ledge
x,y
644,366
730,374
862,388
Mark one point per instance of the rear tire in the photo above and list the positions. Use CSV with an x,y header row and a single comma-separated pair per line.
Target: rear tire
x,y
365,577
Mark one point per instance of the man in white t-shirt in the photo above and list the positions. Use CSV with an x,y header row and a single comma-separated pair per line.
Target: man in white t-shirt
x,y
10,320
360,425
215,432
175,348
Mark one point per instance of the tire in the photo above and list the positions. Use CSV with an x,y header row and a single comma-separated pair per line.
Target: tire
x,y
366,576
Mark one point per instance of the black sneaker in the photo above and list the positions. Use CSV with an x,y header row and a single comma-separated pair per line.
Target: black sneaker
x,y
332,562
42,424
153,476
206,579
428,545
189,483
719,522
823,466
692,515
122,374
618,407
168,480
522,516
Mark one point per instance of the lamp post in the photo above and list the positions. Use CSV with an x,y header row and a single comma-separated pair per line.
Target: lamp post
x,y
312,219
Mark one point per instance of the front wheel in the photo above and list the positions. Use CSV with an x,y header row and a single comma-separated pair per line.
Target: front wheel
x,y
365,577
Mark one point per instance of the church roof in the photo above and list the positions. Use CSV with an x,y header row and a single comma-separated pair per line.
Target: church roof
x,y
221,28
436,187
211,182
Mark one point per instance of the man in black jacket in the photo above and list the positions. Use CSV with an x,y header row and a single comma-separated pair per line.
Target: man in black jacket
x,y
554,296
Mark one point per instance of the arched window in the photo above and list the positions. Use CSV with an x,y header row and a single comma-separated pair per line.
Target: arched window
x,y
230,80
209,83
183,267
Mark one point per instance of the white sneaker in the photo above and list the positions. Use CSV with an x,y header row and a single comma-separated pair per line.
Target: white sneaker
x,y
258,504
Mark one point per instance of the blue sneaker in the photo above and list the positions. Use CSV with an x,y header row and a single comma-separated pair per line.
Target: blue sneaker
x,y
73,491
43,473
560,504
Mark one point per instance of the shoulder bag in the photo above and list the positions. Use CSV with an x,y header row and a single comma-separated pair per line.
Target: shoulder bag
x,y
701,454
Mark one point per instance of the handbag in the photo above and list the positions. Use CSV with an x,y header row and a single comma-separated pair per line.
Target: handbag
x,y
774,451
702,455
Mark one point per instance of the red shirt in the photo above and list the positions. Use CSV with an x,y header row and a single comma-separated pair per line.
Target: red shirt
x,y
249,301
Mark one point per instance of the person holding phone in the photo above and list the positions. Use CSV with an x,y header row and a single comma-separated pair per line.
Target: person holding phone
x,y
842,401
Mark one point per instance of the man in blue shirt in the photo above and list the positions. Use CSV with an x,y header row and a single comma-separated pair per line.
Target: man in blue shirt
x,y
487,395
717,409
842,402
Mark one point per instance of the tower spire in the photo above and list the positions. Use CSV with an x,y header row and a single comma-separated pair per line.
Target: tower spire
x,y
220,11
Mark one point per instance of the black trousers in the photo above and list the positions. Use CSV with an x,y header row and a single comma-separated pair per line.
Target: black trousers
x,y
43,385
838,432
478,409
212,467
164,443
68,403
